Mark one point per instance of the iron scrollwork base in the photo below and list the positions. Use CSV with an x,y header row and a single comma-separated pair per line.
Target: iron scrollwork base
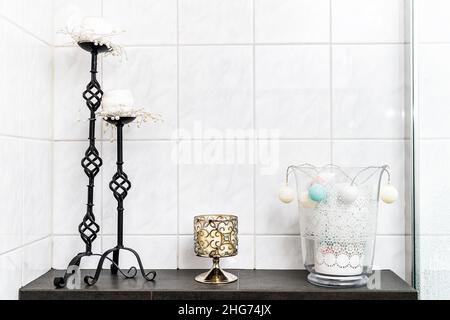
x,y
131,273
120,185
91,163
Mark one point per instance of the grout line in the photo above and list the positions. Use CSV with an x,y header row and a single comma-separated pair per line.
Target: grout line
x,y
24,245
254,139
243,139
10,136
25,30
255,146
254,236
178,128
180,234
240,234
22,178
52,149
250,44
433,138
299,235
431,235
433,43
266,44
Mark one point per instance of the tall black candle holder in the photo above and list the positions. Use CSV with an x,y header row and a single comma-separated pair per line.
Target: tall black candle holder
x,y
91,162
120,185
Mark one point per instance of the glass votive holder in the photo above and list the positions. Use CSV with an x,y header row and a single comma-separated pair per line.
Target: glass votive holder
x,y
215,237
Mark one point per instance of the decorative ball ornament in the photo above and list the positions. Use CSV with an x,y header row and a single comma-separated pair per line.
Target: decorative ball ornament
x,y
348,193
317,192
286,194
306,202
389,194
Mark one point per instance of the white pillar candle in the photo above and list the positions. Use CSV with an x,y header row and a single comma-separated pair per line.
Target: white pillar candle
x,y
118,100
97,25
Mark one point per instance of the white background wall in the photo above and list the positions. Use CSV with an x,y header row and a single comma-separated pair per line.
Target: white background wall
x,y
328,74
26,84
432,49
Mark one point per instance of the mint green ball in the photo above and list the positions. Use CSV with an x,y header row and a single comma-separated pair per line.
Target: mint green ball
x,y
317,192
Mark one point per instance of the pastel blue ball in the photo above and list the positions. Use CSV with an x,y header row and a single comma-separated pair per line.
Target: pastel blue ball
x,y
317,192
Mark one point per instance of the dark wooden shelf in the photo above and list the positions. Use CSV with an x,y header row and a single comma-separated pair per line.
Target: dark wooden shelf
x,y
180,285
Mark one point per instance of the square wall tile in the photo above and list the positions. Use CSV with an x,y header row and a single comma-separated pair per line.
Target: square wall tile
x,y
144,21
432,20
72,75
433,267
38,100
151,74
37,260
151,204
278,252
390,254
215,182
69,185
156,252
368,20
272,216
290,21
293,90
38,19
434,187
216,87
216,21
69,13
433,94
11,189
243,260
10,275
368,91
11,79
37,212
360,153
67,247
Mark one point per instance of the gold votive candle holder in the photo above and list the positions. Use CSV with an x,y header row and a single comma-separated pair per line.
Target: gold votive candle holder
x,y
215,237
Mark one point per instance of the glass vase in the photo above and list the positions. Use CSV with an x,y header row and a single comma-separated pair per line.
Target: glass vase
x,y
338,210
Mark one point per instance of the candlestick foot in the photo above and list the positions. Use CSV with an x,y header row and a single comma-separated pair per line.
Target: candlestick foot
x,y
216,275
131,273
60,282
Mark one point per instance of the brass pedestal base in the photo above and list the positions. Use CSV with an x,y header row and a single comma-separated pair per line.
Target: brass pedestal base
x,y
216,275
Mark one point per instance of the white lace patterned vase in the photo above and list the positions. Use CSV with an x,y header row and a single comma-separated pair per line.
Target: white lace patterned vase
x,y
338,219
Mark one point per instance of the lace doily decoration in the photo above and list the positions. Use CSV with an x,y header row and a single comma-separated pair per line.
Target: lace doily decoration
x,y
140,114
86,35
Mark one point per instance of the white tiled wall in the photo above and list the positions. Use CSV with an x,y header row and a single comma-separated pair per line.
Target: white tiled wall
x,y
327,74
26,106
433,145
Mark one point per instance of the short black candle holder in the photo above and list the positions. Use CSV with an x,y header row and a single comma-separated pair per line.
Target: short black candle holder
x,y
120,185
91,163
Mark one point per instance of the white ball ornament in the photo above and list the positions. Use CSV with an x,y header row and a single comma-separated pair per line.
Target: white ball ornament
x,y
348,193
286,194
306,202
389,194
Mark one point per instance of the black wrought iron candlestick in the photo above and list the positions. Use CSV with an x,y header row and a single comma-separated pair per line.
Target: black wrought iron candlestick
x,y
120,185
91,162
